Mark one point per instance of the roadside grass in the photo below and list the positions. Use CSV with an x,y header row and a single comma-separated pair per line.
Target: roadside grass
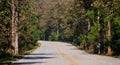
x,y
7,60
91,52
116,56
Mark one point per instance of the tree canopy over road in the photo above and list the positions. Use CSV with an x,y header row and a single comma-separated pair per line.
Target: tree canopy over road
x,y
84,23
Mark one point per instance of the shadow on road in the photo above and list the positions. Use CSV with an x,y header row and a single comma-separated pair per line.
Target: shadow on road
x,y
38,58
34,56
24,63
30,58
42,54
5,63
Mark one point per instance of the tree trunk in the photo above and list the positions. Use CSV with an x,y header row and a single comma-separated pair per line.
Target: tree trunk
x,y
109,52
98,19
14,4
109,30
89,25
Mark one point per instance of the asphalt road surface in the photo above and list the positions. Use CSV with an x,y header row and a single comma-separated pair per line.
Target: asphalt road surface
x,y
59,53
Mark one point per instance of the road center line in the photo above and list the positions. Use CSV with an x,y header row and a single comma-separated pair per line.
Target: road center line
x,y
66,57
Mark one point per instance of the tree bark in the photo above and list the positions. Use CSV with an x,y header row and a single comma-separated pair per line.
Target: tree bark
x,y
109,30
14,4
109,52
98,19
89,25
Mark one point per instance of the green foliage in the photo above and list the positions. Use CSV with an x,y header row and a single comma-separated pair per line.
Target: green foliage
x,y
94,30
116,20
80,38
91,14
54,36
29,32
99,14
115,44
5,29
35,32
109,17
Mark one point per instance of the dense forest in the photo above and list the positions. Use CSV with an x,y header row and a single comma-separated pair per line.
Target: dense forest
x,y
81,22
18,32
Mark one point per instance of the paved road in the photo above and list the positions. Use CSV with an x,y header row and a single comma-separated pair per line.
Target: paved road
x,y
59,53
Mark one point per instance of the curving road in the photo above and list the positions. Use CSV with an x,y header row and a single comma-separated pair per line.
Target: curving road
x,y
59,53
